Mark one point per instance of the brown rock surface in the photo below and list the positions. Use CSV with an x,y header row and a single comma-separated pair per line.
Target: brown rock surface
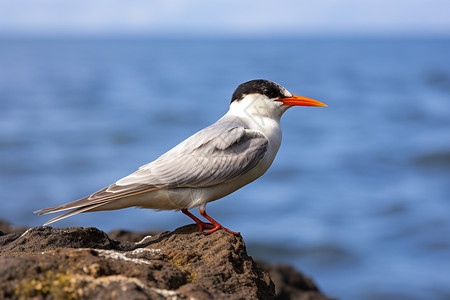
x,y
290,284
85,263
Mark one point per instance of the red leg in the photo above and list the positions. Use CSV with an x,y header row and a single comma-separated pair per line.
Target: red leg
x,y
214,222
200,223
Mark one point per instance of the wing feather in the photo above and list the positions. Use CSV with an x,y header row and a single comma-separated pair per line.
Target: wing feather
x,y
221,159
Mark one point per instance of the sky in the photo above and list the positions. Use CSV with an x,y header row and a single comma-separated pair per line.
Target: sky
x,y
231,17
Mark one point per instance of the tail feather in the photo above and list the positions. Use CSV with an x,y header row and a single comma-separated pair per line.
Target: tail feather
x,y
105,195
75,204
78,210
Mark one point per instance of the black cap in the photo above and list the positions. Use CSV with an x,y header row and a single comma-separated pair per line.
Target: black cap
x,y
259,86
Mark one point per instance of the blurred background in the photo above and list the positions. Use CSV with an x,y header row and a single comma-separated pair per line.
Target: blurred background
x,y
359,195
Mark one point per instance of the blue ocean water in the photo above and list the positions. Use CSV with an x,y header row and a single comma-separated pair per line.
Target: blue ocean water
x,y
358,197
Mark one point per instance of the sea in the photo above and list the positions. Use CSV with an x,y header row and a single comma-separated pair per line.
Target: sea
x,y
358,197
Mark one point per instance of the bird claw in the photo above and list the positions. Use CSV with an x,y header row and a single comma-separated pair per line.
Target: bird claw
x,y
215,228
200,223
203,225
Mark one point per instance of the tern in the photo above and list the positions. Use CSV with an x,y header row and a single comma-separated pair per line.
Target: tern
x,y
207,166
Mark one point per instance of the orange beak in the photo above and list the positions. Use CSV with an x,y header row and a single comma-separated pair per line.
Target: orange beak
x,y
301,101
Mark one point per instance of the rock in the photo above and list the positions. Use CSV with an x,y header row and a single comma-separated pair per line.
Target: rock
x,y
86,263
40,239
290,284
125,236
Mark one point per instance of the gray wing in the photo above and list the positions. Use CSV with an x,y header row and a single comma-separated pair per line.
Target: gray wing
x,y
217,154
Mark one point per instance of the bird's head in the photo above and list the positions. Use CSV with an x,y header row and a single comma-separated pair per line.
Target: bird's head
x,y
267,98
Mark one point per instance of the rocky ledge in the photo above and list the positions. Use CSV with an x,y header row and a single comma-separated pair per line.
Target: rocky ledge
x,y
86,263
